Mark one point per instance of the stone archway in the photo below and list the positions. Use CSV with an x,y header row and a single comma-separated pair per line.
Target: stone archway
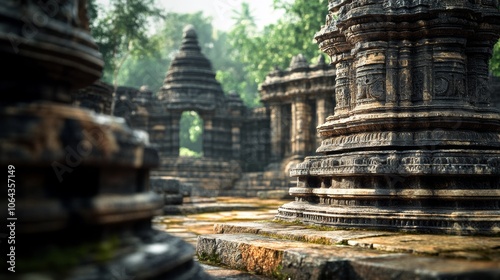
x,y
191,134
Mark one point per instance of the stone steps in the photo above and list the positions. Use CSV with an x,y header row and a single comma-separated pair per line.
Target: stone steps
x,y
298,252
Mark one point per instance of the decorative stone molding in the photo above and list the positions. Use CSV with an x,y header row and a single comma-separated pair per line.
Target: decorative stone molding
x,y
413,144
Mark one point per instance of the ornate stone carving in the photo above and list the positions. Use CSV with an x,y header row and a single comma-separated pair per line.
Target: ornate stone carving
x,y
413,144
299,98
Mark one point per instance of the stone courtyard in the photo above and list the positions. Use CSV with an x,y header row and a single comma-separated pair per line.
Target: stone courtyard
x,y
248,244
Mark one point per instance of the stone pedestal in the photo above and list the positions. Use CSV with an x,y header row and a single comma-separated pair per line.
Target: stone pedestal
x,y
413,144
79,179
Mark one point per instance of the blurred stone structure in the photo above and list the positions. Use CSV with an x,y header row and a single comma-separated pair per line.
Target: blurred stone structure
x,y
235,138
299,99
171,190
97,97
413,144
79,204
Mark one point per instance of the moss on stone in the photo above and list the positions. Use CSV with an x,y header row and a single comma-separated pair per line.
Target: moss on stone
x,y
213,259
60,260
278,273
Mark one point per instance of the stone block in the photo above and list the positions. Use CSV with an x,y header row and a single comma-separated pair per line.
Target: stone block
x,y
165,186
172,199
411,267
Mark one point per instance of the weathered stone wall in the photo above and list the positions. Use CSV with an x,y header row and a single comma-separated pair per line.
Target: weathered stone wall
x,y
255,140
495,91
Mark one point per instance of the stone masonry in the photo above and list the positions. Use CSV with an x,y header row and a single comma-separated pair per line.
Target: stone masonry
x,y
413,144
299,98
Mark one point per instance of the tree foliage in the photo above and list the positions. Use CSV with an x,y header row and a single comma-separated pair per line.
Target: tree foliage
x,y
495,60
277,43
122,31
190,136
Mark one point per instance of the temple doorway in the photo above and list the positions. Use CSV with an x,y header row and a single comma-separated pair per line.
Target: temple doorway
x,y
191,135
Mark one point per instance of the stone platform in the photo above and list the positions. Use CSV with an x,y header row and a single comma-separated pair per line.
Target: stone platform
x,y
200,220
292,251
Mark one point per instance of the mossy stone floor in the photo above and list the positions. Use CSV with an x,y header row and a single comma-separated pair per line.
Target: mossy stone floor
x,y
238,244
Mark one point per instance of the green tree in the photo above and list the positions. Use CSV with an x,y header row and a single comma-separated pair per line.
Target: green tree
x,y
495,60
238,76
121,31
279,42
146,68
258,52
190,136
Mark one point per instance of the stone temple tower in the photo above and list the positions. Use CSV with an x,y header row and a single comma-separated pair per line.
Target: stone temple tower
x,y
413,144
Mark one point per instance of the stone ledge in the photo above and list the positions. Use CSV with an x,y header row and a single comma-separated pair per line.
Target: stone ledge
x,y
274,250
297,232
187,209
278,258
468,247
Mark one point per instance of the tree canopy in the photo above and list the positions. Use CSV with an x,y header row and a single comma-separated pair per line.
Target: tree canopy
x,y
122,31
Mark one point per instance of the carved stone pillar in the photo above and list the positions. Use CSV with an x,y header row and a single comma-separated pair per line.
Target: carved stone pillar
x,y
175,128
276,129
324,108
413,144
301,136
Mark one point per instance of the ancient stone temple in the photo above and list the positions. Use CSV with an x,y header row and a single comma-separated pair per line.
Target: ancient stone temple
x,y
234,138
299,99
413,143
77,205
190,85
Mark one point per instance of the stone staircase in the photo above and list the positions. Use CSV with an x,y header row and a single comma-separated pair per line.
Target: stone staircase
x,y
288,251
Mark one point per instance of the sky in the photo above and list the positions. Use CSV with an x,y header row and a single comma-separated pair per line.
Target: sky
x,y
221,11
